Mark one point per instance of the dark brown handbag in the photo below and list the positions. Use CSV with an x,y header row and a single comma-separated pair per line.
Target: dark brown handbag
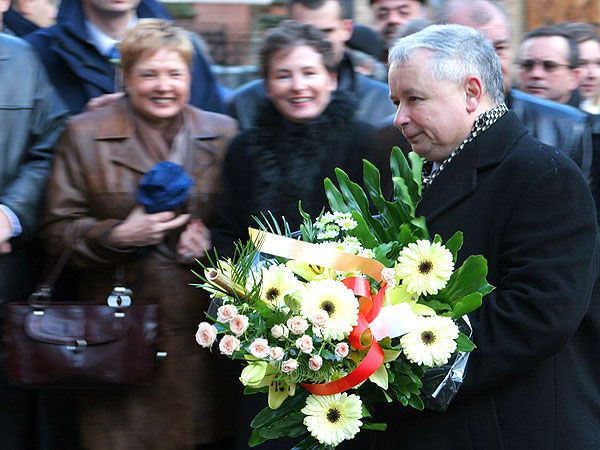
x,y
79,345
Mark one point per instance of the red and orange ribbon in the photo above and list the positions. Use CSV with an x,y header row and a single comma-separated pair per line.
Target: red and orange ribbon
x,y
369,306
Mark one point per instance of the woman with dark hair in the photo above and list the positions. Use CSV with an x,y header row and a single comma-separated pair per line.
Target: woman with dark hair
x,y
302,134
93,206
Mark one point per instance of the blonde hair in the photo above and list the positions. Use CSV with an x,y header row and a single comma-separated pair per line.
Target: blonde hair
x,y
151,35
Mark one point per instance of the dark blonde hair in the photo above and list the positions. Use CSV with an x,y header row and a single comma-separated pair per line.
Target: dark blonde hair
x,y
151,35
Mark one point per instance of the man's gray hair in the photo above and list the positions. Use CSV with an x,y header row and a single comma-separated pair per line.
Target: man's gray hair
x,y
456,52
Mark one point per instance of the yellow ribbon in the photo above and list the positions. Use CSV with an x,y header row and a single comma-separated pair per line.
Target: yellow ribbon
x,y
314,254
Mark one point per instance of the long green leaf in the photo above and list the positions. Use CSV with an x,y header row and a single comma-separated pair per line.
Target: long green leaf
x,y
334,197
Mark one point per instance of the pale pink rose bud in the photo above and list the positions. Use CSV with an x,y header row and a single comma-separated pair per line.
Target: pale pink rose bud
x,y
289,366
297,324
286,333
319,318
315,362
226,312
276,353
260,348
239,324
305,344
388,275
206,334
229,344
342,349
277,331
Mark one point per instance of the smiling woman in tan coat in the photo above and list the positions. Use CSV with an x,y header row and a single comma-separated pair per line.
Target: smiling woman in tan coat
x,y
91,205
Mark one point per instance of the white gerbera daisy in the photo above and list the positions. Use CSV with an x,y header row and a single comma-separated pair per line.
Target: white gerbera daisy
x,y
278,281
425,267
332,419
431,342
337,300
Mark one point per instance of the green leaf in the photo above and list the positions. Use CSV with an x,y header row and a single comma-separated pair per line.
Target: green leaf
x,y
256,438
467,304
469,278
454,244
374,426
268,415
362,231
464,344
290,425
334,197
381,252
310,443
416,402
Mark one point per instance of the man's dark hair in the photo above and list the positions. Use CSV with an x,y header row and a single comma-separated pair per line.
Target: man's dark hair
x,y
371,2
573,55
316,4
290,34
580,31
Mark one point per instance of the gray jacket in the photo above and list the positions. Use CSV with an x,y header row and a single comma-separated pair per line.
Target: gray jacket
x,y
31,119
372,96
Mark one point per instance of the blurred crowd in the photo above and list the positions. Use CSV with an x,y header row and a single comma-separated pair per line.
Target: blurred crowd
x,y
96,92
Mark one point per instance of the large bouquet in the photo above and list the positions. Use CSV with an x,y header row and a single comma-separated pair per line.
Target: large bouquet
x,y
363,309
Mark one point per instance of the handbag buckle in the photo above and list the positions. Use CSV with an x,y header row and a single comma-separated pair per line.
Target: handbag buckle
x,y
80,345
120,297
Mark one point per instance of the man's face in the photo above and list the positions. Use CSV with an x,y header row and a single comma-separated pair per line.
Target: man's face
x,y
544,68
110,7
497,32
328,19
431,114
389,15
40,12
589,64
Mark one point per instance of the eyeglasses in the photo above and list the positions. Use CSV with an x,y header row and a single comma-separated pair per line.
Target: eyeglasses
x,y
548,66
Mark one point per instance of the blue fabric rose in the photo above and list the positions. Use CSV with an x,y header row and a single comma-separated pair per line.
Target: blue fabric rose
x,y
165,187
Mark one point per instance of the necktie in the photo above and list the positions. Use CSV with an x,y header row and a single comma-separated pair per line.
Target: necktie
x,y
114,56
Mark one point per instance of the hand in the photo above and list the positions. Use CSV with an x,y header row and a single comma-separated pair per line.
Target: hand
x,y
6,229
102,101
5,248
140,229
193,242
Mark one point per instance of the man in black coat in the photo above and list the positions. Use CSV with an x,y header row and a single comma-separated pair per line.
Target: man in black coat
x,y
533,382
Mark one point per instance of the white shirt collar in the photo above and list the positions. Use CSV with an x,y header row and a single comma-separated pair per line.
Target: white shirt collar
x,y
102,41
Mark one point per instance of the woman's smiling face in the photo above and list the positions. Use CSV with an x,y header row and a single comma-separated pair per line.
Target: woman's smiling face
x,y
299,84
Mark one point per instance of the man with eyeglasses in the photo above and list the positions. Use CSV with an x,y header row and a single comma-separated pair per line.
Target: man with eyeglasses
x,y
548,63
389,15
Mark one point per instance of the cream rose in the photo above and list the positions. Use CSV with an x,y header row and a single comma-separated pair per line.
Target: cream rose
x,y
276,353
305,343
297,324
289,366
229,344
260,348
206,334
315,362
319,318
226,312
342,349
239,324
277,331
388,275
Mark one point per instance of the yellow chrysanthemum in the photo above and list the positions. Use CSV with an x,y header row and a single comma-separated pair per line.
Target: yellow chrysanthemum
x,y
337,300
424,267
332,419
278,281
431,342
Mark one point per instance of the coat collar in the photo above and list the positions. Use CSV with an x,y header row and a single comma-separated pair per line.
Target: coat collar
x,y
459,179
116,123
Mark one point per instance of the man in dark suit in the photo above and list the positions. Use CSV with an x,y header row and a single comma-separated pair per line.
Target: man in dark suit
x,y
533,382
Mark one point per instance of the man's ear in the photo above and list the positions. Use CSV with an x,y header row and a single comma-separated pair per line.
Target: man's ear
x,y
347,26
576,78
473,93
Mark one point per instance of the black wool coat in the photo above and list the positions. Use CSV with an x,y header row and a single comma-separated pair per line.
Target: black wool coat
x,y
534,380
272,166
